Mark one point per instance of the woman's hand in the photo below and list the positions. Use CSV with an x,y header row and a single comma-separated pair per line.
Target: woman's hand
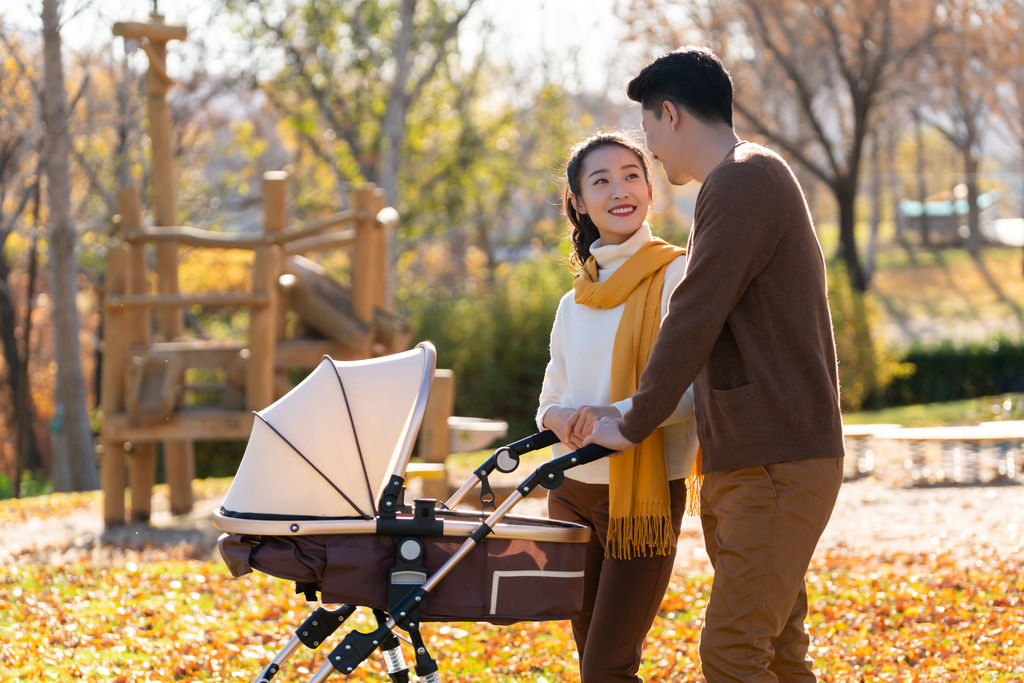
x,y
581,423
555,420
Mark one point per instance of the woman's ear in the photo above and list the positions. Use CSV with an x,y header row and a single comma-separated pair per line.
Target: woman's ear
x,y
578,204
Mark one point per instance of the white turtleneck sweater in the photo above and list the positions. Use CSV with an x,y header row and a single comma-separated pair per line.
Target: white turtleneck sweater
x,y
579,373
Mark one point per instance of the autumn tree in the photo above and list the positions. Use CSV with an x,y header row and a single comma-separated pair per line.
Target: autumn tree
x,y
962,78
810,75
1008,95
20,140
74,458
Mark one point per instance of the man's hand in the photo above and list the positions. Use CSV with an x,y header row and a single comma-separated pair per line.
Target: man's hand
x,y
583,420
606,433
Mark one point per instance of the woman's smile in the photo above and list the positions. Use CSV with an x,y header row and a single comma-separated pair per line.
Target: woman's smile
x,y
622,210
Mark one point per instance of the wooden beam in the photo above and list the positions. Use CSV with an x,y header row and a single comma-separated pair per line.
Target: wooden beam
x,y
155,32
255,300
307,353
337,240
202,425
318,225
196,237
213,239
194,354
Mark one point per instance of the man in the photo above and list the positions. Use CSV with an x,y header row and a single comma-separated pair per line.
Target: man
x,y
749,326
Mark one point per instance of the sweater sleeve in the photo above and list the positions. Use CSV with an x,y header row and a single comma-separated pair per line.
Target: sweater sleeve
x,y
737,224
684,409
556,380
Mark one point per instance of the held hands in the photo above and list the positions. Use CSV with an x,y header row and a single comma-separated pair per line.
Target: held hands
x,y
572,427
606,433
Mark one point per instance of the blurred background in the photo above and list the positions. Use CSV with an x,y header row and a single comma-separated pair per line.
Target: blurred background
x,y
903,120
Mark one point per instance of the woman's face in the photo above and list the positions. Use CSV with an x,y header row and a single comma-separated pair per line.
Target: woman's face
x,y
614,193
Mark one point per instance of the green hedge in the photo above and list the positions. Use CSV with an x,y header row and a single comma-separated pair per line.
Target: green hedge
x,y
497,343
950,372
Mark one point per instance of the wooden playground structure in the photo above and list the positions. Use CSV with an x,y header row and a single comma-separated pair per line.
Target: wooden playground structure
x,y
143,388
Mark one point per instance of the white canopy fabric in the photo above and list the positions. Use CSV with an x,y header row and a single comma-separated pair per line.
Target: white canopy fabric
x,y
305,460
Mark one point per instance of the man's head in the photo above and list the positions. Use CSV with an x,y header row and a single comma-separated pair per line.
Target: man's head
x,y
683,94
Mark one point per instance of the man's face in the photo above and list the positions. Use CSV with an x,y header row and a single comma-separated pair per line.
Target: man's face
x,y
665,141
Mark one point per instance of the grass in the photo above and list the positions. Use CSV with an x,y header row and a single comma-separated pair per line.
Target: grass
x,y
967,412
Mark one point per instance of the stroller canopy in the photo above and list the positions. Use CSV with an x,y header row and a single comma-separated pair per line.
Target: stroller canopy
x,y
326,449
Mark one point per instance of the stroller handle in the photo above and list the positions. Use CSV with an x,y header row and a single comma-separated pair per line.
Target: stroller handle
x,y
550,474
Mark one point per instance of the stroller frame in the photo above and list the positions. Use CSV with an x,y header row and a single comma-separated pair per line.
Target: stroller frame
x,y
408,582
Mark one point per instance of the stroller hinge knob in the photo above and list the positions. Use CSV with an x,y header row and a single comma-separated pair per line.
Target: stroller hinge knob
x,y
421,651
419,599
347,647
551,476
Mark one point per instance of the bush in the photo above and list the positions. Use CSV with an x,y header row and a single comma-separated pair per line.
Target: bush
x,y
497,343
866,364
949,371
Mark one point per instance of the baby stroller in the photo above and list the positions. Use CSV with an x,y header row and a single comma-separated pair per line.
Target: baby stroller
x,y
319,500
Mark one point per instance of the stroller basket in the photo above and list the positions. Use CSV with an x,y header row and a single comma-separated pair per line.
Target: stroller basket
x,y
318,499
514,575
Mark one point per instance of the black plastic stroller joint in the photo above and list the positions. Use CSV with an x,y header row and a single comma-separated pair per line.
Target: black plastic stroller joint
x,y
505,460
423,522
319,625
550,474
391,499
356,647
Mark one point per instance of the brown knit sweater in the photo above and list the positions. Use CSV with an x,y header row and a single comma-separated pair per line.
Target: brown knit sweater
x,y
748,326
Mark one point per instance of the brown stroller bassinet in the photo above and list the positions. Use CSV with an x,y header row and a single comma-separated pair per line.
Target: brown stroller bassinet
x,y
319,500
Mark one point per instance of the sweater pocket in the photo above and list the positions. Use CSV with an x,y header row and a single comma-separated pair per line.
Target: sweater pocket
x,y
733,394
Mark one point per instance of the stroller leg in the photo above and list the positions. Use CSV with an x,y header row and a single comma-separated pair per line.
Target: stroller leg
x,y
314,630
391,650
426,667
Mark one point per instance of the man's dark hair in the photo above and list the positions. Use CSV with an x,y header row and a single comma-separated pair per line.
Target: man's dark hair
x,y
691,77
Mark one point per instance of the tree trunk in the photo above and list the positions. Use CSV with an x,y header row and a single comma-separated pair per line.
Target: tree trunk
x,y
8,324
847,240
393,127
922,184
974,238
74,457
876,208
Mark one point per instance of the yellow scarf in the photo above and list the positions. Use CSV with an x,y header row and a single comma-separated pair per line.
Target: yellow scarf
x,y
640,507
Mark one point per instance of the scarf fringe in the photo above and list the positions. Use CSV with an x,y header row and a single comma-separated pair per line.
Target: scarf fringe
x,y
642,534
693,484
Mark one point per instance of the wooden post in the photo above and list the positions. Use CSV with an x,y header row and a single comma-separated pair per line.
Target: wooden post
x,y
275,214
434,438
180,468
142,468
266,268
364,258
178,455
115,348
378,201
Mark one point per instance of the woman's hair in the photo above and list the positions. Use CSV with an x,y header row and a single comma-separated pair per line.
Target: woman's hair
x,y
583,232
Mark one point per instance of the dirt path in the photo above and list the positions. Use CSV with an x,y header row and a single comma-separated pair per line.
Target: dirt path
x,y
872,517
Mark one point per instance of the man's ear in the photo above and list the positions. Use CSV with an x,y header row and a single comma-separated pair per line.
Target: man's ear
x,y
674,113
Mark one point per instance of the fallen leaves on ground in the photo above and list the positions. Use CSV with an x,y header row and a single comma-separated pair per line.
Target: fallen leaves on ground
x,y
150,617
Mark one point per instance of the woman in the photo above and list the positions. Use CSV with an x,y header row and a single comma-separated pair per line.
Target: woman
x,y
602,335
